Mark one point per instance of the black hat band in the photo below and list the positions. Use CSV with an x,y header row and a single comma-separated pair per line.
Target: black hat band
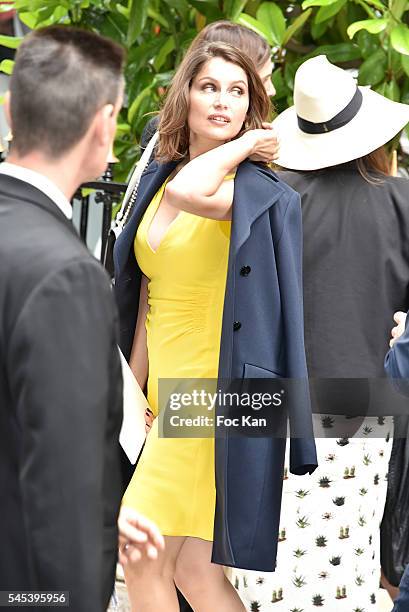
x,y
341,119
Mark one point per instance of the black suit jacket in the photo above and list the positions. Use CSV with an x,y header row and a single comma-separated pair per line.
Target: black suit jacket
x,y
60,406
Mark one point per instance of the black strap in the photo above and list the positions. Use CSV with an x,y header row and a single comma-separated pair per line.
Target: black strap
x,y
341,119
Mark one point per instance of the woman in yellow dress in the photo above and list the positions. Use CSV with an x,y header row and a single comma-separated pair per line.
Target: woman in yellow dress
x,y
212,120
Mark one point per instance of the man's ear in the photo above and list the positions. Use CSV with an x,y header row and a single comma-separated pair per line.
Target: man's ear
x,y
103,121
7,108
105,124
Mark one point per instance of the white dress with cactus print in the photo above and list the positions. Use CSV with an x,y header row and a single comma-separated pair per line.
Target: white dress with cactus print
x,y
328,553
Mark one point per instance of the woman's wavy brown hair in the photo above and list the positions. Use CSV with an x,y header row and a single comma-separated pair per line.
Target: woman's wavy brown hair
x,y
173,127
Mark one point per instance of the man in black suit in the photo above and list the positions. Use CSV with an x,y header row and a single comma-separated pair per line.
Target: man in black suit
x,y
60,379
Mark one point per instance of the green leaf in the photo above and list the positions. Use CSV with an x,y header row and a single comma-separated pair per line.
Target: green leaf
x,y
405,64
210,10
376,3
271,16
11,42
29,19
137,102
140,55
114,27
137,19
318,29
256,26
307,3
397,8
392,91
374,26
2,98
395,61
372,71
167,48
326,12
404,96
233,8
400,39
123,10
368,43
339,53
6,66
182,6
289,75
296,25
163,78
122,128
389,90
158,17
279,85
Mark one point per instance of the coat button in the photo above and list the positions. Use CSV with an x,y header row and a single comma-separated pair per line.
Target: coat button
x,y
245,271
236,325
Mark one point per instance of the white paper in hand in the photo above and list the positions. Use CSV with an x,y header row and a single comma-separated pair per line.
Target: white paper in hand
x,y
133,434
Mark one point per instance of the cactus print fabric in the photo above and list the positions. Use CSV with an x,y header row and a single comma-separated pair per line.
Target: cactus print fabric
x,y
328,553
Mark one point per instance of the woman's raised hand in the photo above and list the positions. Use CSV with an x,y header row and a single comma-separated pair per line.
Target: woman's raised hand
x,y
265,144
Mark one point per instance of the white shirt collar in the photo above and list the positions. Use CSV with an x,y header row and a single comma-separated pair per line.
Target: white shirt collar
x,y
41,182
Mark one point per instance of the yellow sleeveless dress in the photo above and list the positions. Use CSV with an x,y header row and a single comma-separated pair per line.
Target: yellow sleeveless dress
x,y
174,483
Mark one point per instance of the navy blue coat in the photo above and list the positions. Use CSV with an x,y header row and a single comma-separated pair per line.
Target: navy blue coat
x,y
269,342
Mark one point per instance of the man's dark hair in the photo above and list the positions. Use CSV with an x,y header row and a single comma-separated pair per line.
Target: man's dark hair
x,y
61,78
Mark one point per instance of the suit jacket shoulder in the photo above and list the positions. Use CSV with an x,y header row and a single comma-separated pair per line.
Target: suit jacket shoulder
x,y
36,241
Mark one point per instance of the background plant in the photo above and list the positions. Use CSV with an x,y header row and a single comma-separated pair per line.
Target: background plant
x,y
371,36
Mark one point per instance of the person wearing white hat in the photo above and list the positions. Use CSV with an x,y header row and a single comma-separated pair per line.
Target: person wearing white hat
x,y
356,273
334,121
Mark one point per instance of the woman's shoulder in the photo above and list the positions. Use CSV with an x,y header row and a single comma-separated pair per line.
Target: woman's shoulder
x,y
148,131
268,176
399,184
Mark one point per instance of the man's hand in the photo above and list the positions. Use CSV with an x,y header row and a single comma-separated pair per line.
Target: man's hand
x,y
138,537
399,318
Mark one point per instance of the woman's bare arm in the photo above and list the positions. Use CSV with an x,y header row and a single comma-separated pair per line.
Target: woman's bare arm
x,y
139,354
139,362
198,187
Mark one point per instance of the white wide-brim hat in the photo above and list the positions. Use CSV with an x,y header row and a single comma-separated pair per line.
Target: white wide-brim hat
x,y
333,121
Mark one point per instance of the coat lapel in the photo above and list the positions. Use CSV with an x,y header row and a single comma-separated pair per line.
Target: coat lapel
x,y
256,188
151,180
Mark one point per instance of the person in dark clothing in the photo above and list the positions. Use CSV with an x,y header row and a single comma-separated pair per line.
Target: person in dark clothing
x,y
60,376
355,276
397,368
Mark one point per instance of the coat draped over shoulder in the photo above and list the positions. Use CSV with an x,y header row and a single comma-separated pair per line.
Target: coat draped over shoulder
x,y
262,337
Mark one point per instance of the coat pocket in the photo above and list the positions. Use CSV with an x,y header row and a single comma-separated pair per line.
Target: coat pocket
x,y
253,371
264,390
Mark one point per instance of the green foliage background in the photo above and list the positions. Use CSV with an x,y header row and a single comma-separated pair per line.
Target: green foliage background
x,y
370,35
